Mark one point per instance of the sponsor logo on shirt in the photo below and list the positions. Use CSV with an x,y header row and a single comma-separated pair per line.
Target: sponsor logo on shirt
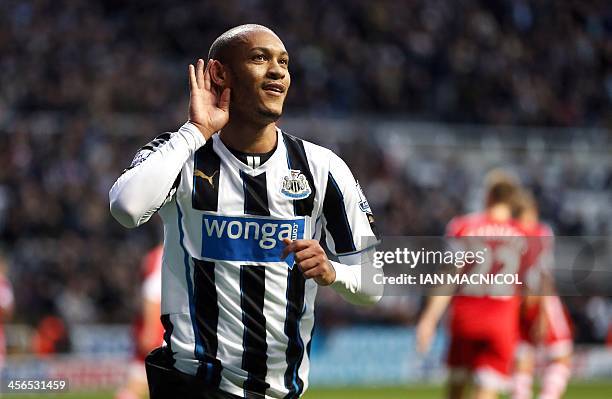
x,y
295,186
248,239
201,174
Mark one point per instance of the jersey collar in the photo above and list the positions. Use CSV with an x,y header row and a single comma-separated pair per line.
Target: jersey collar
x,y
279,152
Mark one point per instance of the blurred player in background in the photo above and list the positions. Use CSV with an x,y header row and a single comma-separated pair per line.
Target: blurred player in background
x,y
483,327
544,322
7,302
148,330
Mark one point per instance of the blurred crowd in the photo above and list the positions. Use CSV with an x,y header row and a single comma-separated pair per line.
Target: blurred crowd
x,y
83,84
499,62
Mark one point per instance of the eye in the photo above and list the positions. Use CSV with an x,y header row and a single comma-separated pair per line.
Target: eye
x,y
259,57
283,61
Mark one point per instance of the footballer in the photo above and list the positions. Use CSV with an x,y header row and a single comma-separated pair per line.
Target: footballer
x,y
484,326
544,321
244,205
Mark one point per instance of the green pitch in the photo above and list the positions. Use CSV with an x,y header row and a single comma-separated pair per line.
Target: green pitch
x,y
595,390
599,390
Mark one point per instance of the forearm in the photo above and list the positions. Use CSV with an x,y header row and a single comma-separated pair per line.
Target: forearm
x,y
143,189
350,281
435,308
151,323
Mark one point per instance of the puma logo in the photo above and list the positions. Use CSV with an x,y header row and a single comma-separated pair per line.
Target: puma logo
x,y
201,174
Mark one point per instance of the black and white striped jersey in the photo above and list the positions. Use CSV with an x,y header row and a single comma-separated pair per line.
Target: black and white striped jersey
x,y
236,314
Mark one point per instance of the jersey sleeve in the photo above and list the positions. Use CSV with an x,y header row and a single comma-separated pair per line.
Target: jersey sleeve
x,y
151,270
347,217
538,262
151,180
151,287
351,235
454,227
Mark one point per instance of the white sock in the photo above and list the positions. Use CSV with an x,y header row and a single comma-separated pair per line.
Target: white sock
x,y
554,381
521,385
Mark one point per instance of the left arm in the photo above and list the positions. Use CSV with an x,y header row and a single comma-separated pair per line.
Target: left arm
x,y
351,235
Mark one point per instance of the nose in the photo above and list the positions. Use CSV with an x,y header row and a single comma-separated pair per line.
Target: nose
x,y
276,71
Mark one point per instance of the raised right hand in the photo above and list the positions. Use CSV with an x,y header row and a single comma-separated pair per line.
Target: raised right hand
x,y
208,109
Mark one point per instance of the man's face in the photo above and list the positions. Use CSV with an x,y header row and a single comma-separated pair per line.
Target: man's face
x,y
259,77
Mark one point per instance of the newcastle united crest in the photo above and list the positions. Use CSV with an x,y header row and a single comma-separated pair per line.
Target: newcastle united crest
x,y
295,186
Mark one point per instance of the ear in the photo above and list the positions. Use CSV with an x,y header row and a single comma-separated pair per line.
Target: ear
x,y
218,74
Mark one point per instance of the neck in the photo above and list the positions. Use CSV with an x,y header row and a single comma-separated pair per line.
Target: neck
x,y
500,213
529,221
247,137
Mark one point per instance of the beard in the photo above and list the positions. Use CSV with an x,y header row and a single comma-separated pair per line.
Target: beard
x,y
250,107
269,115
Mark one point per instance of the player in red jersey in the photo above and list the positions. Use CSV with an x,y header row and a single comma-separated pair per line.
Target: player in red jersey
x,y
148,330
544,321
483,324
